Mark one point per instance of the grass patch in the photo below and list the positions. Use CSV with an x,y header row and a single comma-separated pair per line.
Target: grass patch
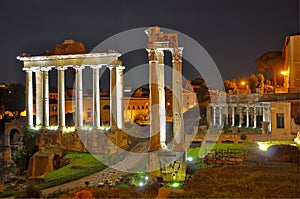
x,y
81,165
246,181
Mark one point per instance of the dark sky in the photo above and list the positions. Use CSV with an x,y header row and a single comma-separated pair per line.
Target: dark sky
x,y
234,32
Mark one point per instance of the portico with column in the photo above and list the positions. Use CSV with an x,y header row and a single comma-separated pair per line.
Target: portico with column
x,y
39,66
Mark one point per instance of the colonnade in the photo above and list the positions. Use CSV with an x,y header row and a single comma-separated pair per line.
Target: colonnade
x,y
41,65
225,114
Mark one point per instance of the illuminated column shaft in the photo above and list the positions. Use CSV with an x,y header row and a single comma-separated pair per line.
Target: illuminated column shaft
x,y
38,97
232,116
79,96
119,96
214,115
254,117
113,99
46,97
266,116
96,97
220,115
154,101
162,103
178,128
241,116
247,117
61,98
227,115
29,97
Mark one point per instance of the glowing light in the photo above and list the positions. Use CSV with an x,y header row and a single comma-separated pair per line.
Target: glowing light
x,y
146,178
190,159
141,184
23,114
243,83
283,72
168,103
262,146
175,184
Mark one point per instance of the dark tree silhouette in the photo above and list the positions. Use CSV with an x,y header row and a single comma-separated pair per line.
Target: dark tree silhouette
x,y
271,61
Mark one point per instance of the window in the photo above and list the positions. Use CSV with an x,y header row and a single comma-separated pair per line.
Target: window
x,y
280,120
128,107
89,114
142,107
138,107
133,108
54,109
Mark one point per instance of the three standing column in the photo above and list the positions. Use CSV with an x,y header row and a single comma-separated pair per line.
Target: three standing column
x,y
38,97
119,95
45,96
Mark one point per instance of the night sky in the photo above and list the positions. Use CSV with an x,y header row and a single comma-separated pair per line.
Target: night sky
x,y
233,32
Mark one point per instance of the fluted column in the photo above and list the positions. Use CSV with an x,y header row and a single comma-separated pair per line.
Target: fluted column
x,y
241,116
232,116
38,97
96,97
254,117
113,101
45,96
154,101
220,116
214,116
29,98
162,99
178,126
119,96
61,98
247,117
79,98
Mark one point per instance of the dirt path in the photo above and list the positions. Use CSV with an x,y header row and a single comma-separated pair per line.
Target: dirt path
x,y
164,192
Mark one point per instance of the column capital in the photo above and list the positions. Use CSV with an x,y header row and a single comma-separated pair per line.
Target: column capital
x,y
61,68
46,69
96,66
120,67
177,54
79,67
152,55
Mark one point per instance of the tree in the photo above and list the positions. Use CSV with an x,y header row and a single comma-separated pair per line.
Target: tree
x,y
271,61
230,85
261,80
253,82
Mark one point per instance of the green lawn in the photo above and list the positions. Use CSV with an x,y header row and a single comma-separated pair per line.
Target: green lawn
x,y
195,153
244,181
78,162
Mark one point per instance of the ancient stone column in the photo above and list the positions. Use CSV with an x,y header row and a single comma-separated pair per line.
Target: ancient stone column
x,y
38,97
162,99
45,96
29,98
178,126
220,115
113,99
79,98
241,116
254,117
232,116
61,98
154,101
96,96
267,116
214,116
119,96
247,117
